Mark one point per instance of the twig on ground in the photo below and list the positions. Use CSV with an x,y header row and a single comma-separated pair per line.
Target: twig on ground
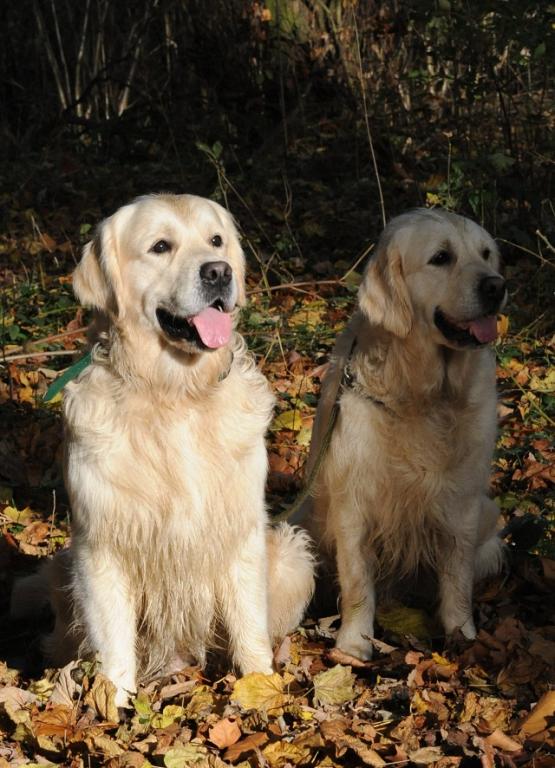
x,y
46,353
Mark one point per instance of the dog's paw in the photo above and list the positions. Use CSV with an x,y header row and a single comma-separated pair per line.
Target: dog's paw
x,y
354,644
455,626
123,699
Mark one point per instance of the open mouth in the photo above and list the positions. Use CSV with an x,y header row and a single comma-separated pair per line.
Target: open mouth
x,y
472,333
209,329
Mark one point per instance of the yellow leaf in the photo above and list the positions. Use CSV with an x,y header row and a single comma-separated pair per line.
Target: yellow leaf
x,y
303,436
502,325
42,688
545,384
282,753
439,659
180,757
258,691
406,621
200,703
334,686
102,698
310,315
169,715
288,420
21,516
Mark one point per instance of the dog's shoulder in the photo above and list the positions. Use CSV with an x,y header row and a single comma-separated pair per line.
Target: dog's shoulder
x,y
91,397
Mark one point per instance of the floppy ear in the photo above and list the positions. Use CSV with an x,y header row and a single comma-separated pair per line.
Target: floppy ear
x,y
97,280
238,262
383,294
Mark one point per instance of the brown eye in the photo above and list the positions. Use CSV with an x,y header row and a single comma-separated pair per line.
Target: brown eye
x,y
161,246
441,258
217,241
486,253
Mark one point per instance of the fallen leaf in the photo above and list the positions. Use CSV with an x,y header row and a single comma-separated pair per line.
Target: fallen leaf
x,y
102,698
262,692
65,686
502,741
242,747
189,754
225,733
340,657
425,755
335,686
288,420
403,621
538,726
282,753
170,714
17,697
200,703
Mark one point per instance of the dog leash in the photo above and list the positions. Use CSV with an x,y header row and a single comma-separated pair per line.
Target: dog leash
x,y
70,373
348,382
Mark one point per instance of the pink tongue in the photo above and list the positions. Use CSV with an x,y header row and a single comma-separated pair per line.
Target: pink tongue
x,y
485,329
213,326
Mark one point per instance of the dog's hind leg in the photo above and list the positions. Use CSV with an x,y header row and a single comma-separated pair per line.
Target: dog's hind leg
x,y
290,577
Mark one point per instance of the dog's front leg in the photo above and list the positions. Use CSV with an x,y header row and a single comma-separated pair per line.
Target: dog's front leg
x,y
456,578
244,600
358,599
108,612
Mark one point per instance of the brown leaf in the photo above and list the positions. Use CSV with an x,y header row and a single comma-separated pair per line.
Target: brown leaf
x,y
101,698
538,726
426,755
334,730
17,697
225,733
503,742
242,747
65,686
340,657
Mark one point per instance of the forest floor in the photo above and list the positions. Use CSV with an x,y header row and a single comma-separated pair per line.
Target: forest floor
x,y
420,701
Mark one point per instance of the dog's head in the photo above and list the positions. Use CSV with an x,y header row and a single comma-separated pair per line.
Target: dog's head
x,y
169,263
435,268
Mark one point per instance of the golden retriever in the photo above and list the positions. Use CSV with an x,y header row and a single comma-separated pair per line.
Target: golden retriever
x,y
404,482
165,458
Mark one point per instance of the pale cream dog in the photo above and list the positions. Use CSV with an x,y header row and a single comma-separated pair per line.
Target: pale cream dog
x,y
165,458
404,482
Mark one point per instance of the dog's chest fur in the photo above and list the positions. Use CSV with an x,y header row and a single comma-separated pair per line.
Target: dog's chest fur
x,y
162,486
407,474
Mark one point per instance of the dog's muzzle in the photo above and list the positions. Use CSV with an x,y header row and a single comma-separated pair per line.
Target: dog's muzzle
x,y
491,290
216,280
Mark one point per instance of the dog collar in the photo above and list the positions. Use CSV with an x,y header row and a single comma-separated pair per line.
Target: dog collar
x,y
74,370
349,382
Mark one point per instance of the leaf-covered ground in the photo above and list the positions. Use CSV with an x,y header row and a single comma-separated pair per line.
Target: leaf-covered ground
x,y
419,702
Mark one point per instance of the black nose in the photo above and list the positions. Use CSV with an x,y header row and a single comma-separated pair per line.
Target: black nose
x,y
215,273
492,292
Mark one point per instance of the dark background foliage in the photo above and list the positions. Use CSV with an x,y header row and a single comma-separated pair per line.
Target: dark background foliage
x,y
115,98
